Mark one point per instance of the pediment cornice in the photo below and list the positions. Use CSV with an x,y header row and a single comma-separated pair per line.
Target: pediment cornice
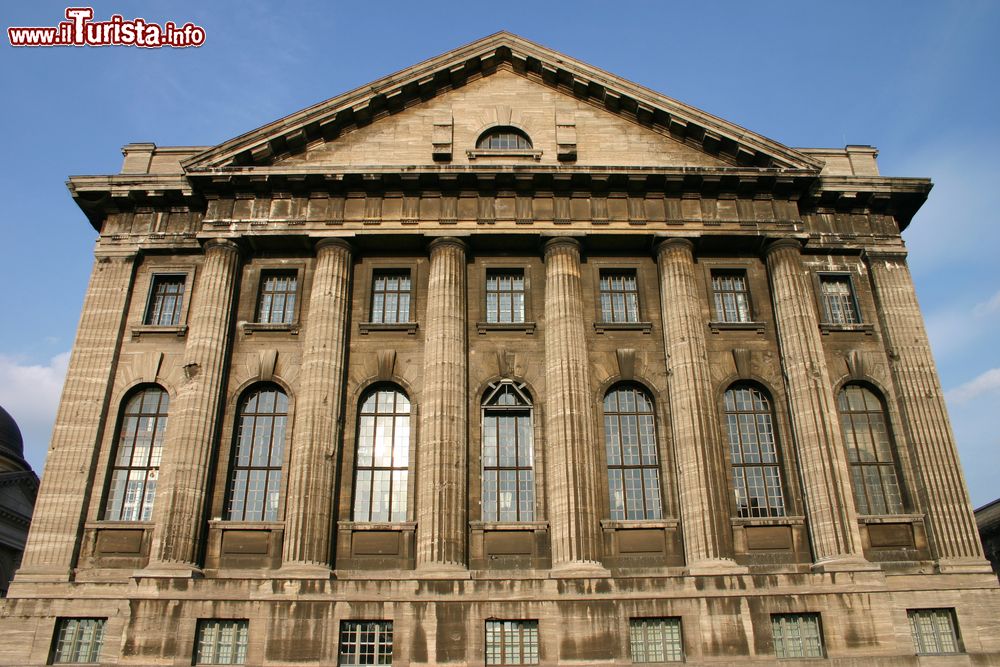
x,y
327,120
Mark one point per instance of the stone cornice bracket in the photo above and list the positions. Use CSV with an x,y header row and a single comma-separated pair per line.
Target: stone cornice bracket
x,y
883,254
857,364
742,359
561,241
440,241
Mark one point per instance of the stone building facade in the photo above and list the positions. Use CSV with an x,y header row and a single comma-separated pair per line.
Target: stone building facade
x,y
501,359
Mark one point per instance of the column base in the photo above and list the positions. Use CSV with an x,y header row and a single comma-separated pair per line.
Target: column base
x,y
579,569
715,567
169,571
304,571
43,574
964,566
845,564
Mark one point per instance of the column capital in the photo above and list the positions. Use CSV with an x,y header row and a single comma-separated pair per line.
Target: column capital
x,y
561,241
674,242
334,242
778,244
222,244
442,241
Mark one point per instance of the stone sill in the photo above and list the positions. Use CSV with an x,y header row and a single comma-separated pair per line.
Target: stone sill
x,y
509,525
367,327
245,525
828,327
504,152
717,326
644,327
143,329
767,520
377,525
94,525
526,327
624,524
250,327
889,518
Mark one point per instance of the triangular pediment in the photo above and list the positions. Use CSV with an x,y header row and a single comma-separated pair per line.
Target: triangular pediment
x,y
434,111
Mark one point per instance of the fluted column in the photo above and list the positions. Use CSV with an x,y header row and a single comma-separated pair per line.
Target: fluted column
x,y
312,466
441,455
571,446
951,522
190,439
704,502
833,520
80,422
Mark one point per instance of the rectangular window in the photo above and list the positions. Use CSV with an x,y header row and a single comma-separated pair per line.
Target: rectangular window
x,y
391,297
276,300
656,640
511,642
78,640
797,635
732,296
934,631
619,296
165,301
365,643
839,305
505,296
222,642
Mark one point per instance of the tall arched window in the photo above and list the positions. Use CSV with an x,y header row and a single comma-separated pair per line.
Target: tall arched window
x,y
381,466
137,456
753,452
504,138
633,461
869,451
508,457
255,477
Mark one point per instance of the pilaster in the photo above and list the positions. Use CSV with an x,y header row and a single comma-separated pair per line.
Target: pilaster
x,y
953,534
704,502
833,520
441,456
569,431
83,415
312,467
190,439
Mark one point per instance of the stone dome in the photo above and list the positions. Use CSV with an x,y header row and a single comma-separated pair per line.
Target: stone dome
x,y
10,435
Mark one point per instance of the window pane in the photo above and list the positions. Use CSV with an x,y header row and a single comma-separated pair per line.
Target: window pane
x,y
365,643
381,463
137,460
78,640
222,642
507,457
165,301
390,297
797,635
512,643
619,296
255,475
631,454
753,452
276,299
870,451
656,640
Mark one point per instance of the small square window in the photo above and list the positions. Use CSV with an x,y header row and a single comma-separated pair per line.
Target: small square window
x,y
934,631
839,304
511,642
276,299
166,299
365,643
78,640
797,635
505,296
732,296
390,297
619,296
222,642
656,640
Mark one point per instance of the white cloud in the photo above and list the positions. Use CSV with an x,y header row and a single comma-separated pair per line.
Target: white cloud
x,y
981,384
30,393
988,307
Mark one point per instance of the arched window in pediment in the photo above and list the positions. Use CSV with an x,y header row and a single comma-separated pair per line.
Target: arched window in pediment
x,y
504,137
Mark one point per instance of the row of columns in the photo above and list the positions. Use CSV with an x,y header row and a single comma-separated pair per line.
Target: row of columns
x,y
573,457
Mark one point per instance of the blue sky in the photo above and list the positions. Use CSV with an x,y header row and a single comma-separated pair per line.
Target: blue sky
x,y
916,79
